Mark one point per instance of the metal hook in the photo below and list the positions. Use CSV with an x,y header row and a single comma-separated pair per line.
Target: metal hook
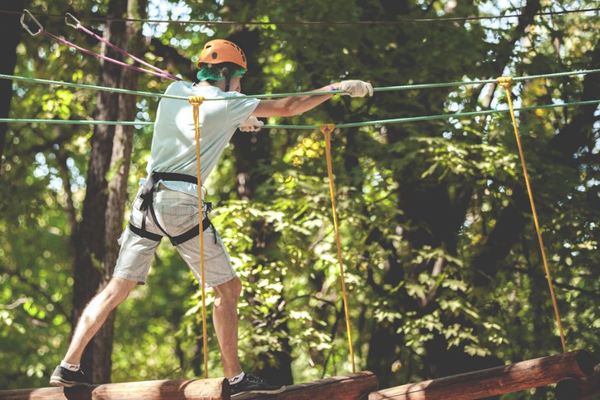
x,y
26,27
76,25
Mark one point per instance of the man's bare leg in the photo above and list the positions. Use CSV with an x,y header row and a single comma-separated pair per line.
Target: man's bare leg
x,y
225,319
94,315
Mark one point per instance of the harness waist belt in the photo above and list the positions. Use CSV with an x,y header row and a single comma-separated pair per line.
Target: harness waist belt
x,y
148,188
176,240
147,196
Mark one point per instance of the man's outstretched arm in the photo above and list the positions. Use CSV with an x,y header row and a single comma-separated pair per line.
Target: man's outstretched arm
x,y
296,105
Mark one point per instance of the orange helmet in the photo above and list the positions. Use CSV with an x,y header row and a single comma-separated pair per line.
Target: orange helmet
x,y
219,51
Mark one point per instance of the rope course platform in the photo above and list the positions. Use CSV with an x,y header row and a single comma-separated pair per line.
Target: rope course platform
x,y
574,372
354,386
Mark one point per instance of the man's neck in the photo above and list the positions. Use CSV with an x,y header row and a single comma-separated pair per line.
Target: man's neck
x,y
217,85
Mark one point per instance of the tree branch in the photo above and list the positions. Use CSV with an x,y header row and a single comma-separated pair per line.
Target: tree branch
x,y
173,59
37,288
537,275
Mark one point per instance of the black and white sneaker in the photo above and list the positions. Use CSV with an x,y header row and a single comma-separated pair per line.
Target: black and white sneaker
x,y
67,378
250,385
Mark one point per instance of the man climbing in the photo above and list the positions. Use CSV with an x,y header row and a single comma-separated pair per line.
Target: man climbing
x,y
167,203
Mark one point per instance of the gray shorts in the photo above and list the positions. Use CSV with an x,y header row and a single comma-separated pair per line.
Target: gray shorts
x,y
176,212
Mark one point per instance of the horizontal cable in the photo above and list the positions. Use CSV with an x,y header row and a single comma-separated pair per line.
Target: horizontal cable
x,y
482,81
73,121
278,95
309,127
91,87
463,114
400,20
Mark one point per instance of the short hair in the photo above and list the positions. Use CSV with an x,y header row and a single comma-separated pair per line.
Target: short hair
x,y
219,72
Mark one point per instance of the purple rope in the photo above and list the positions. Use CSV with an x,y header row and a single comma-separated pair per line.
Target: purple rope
x,y
64,41
125,52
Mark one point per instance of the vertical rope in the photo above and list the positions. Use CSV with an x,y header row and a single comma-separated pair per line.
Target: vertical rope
x,y
327,130
196,101
505,82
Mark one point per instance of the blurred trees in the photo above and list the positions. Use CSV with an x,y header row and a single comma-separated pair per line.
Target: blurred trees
x,y
443,267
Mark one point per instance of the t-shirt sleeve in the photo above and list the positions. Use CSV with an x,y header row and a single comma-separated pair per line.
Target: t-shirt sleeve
x,y
240,108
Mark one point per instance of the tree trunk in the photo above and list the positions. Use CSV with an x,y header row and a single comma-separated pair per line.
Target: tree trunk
x,y
106,194
117,186
10,31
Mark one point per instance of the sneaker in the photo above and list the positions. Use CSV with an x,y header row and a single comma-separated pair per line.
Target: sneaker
x,y
65,377
251,384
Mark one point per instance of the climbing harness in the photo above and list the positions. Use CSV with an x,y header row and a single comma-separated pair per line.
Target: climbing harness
x,y
59,39
505,82
147,207
327,130
196,102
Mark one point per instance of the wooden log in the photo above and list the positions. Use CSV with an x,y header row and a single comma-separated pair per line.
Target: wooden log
x,y
495,381
353,387
193,389
587,388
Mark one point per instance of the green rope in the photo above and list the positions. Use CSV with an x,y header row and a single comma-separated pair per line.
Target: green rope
x,y
310,127
73,121
461,115
91,87
278,95
481,81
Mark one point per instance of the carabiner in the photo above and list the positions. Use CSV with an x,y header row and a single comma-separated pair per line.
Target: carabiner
x,y
76,25
26,27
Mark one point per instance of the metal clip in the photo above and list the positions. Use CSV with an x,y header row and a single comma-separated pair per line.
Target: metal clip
x,y
26,27
68,17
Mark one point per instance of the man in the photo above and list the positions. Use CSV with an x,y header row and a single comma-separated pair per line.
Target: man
x,y
167,204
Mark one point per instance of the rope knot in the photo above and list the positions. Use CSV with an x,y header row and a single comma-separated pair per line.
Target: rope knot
x,y
196,100
505,81
327,128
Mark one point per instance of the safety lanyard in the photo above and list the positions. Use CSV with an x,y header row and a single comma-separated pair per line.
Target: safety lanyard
x,y
77,25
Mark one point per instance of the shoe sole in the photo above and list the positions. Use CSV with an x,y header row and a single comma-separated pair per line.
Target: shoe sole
x,y
58,381
249,393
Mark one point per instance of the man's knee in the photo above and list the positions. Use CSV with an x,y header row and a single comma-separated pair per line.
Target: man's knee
x,y
229,291
117,290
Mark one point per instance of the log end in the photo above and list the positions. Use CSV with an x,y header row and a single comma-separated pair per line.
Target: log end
x,y
568,389
586,362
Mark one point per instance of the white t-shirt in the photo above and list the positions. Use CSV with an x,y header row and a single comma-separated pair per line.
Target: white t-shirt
x,y
173,143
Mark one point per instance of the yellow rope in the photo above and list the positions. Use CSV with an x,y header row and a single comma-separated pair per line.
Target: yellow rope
x,y
327,130
196,101
505,82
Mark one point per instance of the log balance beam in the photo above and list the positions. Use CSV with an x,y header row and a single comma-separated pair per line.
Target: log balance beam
x,y
193,389
354,387
495,381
